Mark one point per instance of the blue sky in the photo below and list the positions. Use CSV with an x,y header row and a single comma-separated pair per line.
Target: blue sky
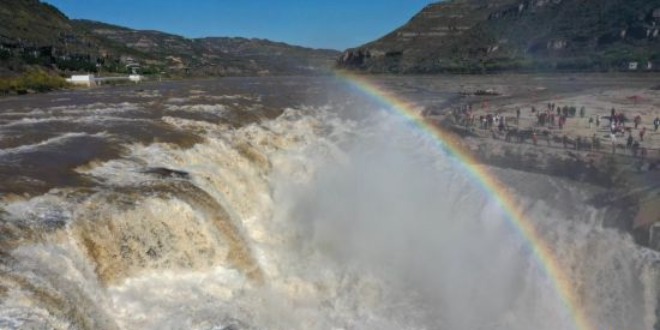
x,y
336,24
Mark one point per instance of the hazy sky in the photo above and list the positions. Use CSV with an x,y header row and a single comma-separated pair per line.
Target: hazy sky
x,y
337,24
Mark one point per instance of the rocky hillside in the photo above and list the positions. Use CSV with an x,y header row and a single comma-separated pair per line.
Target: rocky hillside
x,y
209,56
521,35
35,34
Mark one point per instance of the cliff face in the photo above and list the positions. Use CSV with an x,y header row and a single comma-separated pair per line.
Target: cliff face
x,y
497,35
36,34
33,33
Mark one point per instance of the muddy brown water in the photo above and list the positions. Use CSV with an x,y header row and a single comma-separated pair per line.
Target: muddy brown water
x,y
43,138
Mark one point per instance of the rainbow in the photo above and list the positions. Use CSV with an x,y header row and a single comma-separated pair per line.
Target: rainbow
x,y
451,143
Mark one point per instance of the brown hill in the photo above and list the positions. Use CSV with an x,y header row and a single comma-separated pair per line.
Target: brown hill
x,y
36,34
498,35
211,56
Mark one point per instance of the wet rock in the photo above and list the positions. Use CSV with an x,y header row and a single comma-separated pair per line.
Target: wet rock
x,y
480,92
164,172
236,325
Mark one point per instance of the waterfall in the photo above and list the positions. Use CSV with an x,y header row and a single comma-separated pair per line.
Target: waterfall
x,y
313,219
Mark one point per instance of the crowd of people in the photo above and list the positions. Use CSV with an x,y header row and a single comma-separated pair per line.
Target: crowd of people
x,y
550,124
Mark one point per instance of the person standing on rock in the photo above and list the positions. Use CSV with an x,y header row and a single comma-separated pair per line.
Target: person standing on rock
x,y
597,121
656,123
638,120
641,133
591,121
583,111
630,141
595,143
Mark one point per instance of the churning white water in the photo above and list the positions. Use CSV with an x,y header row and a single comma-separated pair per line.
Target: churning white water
x,y
310,221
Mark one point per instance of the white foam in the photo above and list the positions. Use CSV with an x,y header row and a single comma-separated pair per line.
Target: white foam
x,y
210,108
46,143
355,225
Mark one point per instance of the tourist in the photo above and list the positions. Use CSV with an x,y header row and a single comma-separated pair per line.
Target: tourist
x,y
591,121
595,142
641,134
597,121
582,112
656,123
635,148
630,141
638,120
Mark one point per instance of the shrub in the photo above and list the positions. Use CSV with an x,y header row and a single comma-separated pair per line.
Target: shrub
x,y
36,80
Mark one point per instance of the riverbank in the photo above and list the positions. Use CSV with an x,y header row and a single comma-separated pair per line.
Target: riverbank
x,y
570,136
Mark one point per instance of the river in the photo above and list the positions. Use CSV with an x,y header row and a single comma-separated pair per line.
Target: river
x,y
292,203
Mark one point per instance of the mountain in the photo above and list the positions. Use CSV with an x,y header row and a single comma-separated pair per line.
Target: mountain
x,y
522,35
36,34
209,56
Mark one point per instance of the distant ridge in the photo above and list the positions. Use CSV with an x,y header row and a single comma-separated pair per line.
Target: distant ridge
x,y
36,34
471,36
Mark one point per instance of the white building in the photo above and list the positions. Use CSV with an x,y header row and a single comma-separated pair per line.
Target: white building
x,y
136,78
86,80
